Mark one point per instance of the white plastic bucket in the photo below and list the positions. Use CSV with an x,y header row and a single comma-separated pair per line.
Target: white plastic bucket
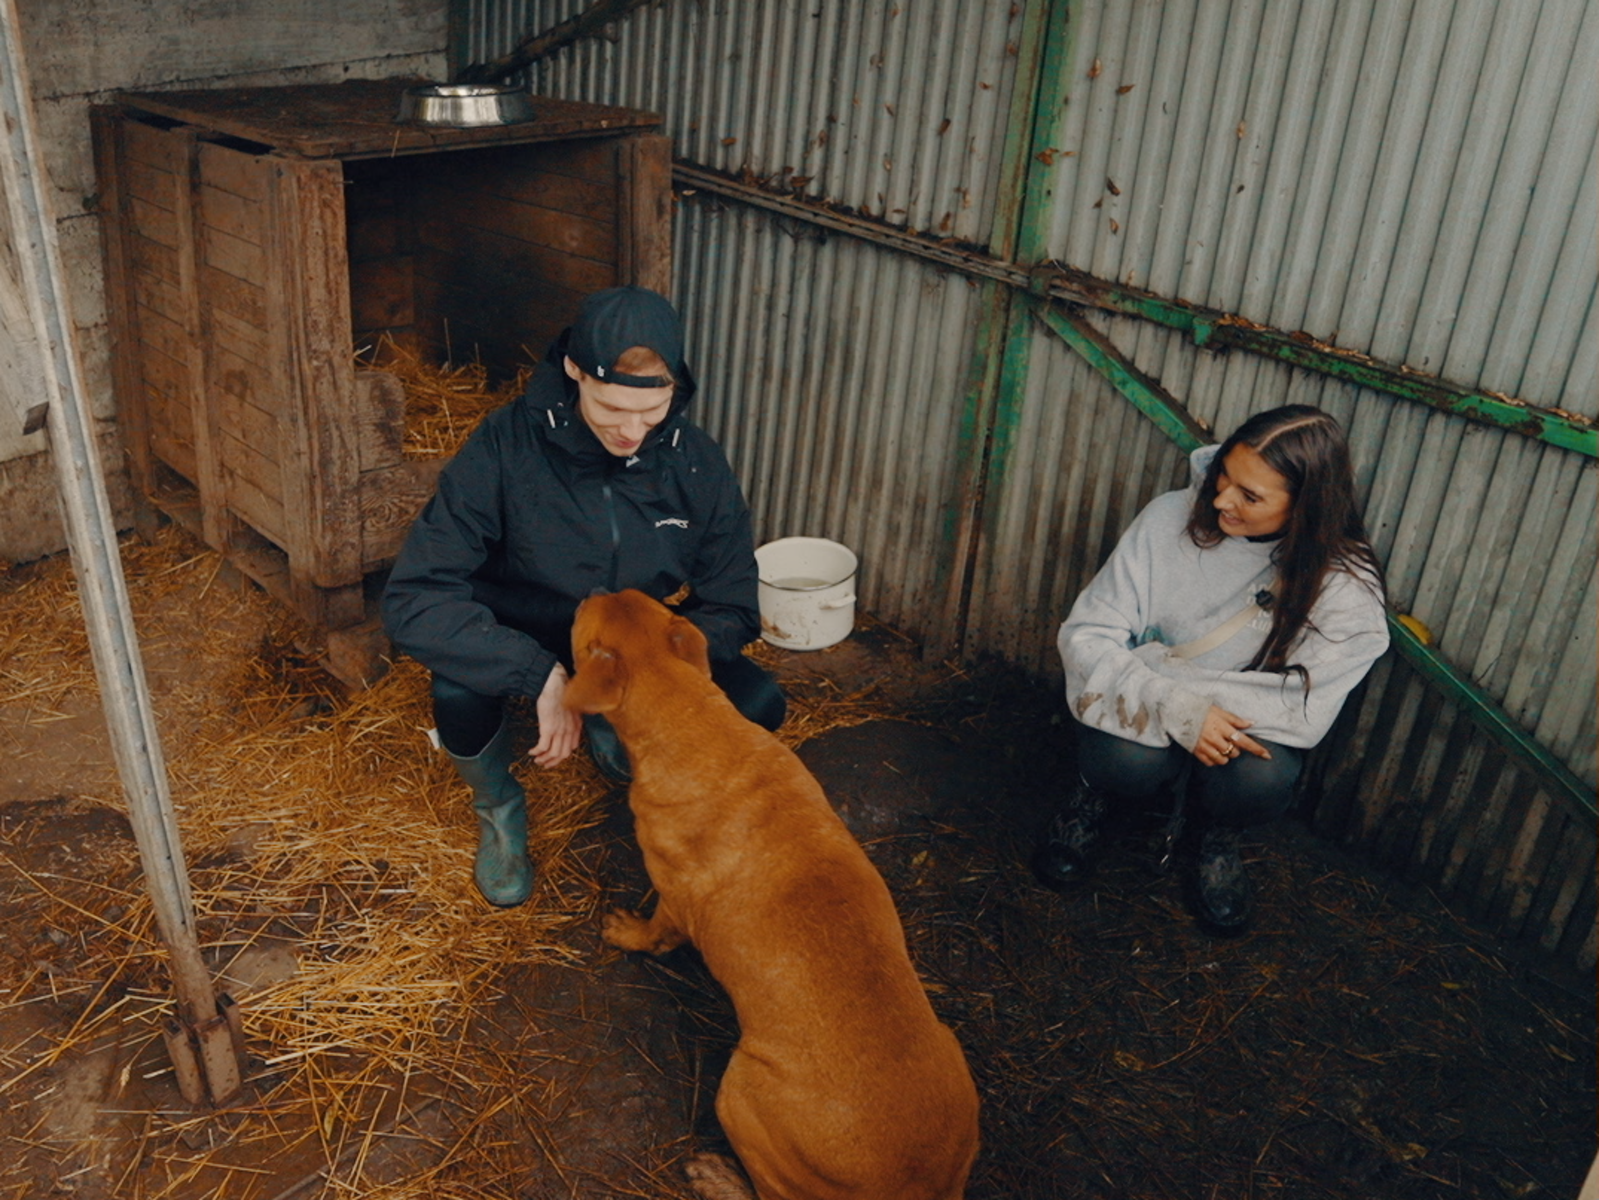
x,y
807,592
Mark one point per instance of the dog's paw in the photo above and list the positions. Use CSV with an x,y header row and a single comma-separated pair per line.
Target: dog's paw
x,y
626,930
716,1177
653,935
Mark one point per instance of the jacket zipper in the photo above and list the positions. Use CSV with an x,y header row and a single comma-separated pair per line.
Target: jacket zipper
x,y
616,536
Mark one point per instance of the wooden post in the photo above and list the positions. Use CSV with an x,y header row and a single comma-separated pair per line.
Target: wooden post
x,y
91,533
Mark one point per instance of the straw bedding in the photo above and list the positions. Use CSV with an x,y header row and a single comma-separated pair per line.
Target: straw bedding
x,y
311,820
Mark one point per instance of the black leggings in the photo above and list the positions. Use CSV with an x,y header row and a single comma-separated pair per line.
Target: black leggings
x,y
1245,791
467,720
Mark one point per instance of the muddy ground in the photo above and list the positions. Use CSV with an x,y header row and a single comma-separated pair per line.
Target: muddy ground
x,y
1361,1042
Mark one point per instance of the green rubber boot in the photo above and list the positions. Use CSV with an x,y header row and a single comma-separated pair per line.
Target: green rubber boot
x,y
502,871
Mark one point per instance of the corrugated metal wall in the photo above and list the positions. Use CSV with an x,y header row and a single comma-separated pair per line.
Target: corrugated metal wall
x,y
828,384
1411,180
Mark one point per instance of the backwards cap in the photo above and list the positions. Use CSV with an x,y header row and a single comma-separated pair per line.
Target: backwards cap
x,y
617,319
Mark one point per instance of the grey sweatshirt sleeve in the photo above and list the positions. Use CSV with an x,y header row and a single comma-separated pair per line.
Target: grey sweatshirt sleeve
x,y
1110,686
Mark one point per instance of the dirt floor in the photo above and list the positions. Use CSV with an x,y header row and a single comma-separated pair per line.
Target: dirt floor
x,y
403,1040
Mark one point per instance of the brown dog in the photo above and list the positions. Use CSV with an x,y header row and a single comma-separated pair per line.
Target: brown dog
x,y
843,1083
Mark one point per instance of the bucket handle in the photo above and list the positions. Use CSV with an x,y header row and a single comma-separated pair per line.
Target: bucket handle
x,y
841,602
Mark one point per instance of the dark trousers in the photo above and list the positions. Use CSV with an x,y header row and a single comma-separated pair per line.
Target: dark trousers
x,y
467,720
1245,791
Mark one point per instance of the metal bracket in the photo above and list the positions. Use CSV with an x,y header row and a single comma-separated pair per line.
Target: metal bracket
x,y
208,1056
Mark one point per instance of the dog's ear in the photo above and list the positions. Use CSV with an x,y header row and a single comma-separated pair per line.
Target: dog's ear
x,y
597,687
689,644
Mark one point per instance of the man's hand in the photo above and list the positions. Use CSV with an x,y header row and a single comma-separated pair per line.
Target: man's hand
x,y
560,729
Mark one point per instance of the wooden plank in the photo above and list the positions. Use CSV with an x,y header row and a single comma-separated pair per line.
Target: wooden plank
x,y
1468,873
153,185
151,146
167,379
108,137
460,254
160,332
380,429
458,324
230,170
1529,856
255,489
390,500
1442,821
168,423
1341,753
159,295
242,401
571,177
147,257
1581,935
175,451
376,230
246,341
356,118
383,294
455,208
644,208
233,399
309,200
1442,741
252,463
242,299
160,225
231,214
359,656
1386,759
1570,868
232,255
216,520
1523,819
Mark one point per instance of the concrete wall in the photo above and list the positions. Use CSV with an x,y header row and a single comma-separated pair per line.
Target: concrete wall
x,y
79,52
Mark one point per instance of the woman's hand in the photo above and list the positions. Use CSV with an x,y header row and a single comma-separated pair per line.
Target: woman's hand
x,y
560,729
1222,737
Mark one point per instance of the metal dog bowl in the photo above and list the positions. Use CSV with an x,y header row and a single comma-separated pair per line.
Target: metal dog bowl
x,y
462,105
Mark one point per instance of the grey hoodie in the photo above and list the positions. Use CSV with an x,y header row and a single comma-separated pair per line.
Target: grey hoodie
x,y
1159,590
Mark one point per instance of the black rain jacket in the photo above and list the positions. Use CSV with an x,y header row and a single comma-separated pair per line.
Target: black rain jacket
x,y
533,514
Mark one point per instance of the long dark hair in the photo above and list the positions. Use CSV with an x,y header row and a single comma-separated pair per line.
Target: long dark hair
x,y
1324,532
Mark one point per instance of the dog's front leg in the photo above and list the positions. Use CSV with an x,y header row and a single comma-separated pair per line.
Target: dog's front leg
x,y
658,934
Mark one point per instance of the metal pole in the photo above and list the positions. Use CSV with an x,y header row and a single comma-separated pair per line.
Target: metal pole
x,y
91,534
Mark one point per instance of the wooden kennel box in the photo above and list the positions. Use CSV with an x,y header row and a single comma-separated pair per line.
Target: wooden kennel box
x,y
256,238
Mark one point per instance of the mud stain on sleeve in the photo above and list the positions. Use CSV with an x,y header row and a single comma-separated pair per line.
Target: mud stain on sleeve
x,y
1137,722
1087,701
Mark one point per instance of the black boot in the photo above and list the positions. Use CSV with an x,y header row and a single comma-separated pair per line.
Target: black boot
x,y
1224,899
1065,856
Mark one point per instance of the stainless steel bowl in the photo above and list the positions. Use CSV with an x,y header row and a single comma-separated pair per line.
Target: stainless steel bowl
x,y
463,105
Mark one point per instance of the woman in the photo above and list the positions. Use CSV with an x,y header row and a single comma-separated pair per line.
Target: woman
x,y
1218,644
594,479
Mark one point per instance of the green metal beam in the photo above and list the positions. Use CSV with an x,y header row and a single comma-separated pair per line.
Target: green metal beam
x,y
997,378
1144,392
1213,329
1493,720
1174,420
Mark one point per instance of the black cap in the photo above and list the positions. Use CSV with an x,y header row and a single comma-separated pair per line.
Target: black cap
x,y
614,321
